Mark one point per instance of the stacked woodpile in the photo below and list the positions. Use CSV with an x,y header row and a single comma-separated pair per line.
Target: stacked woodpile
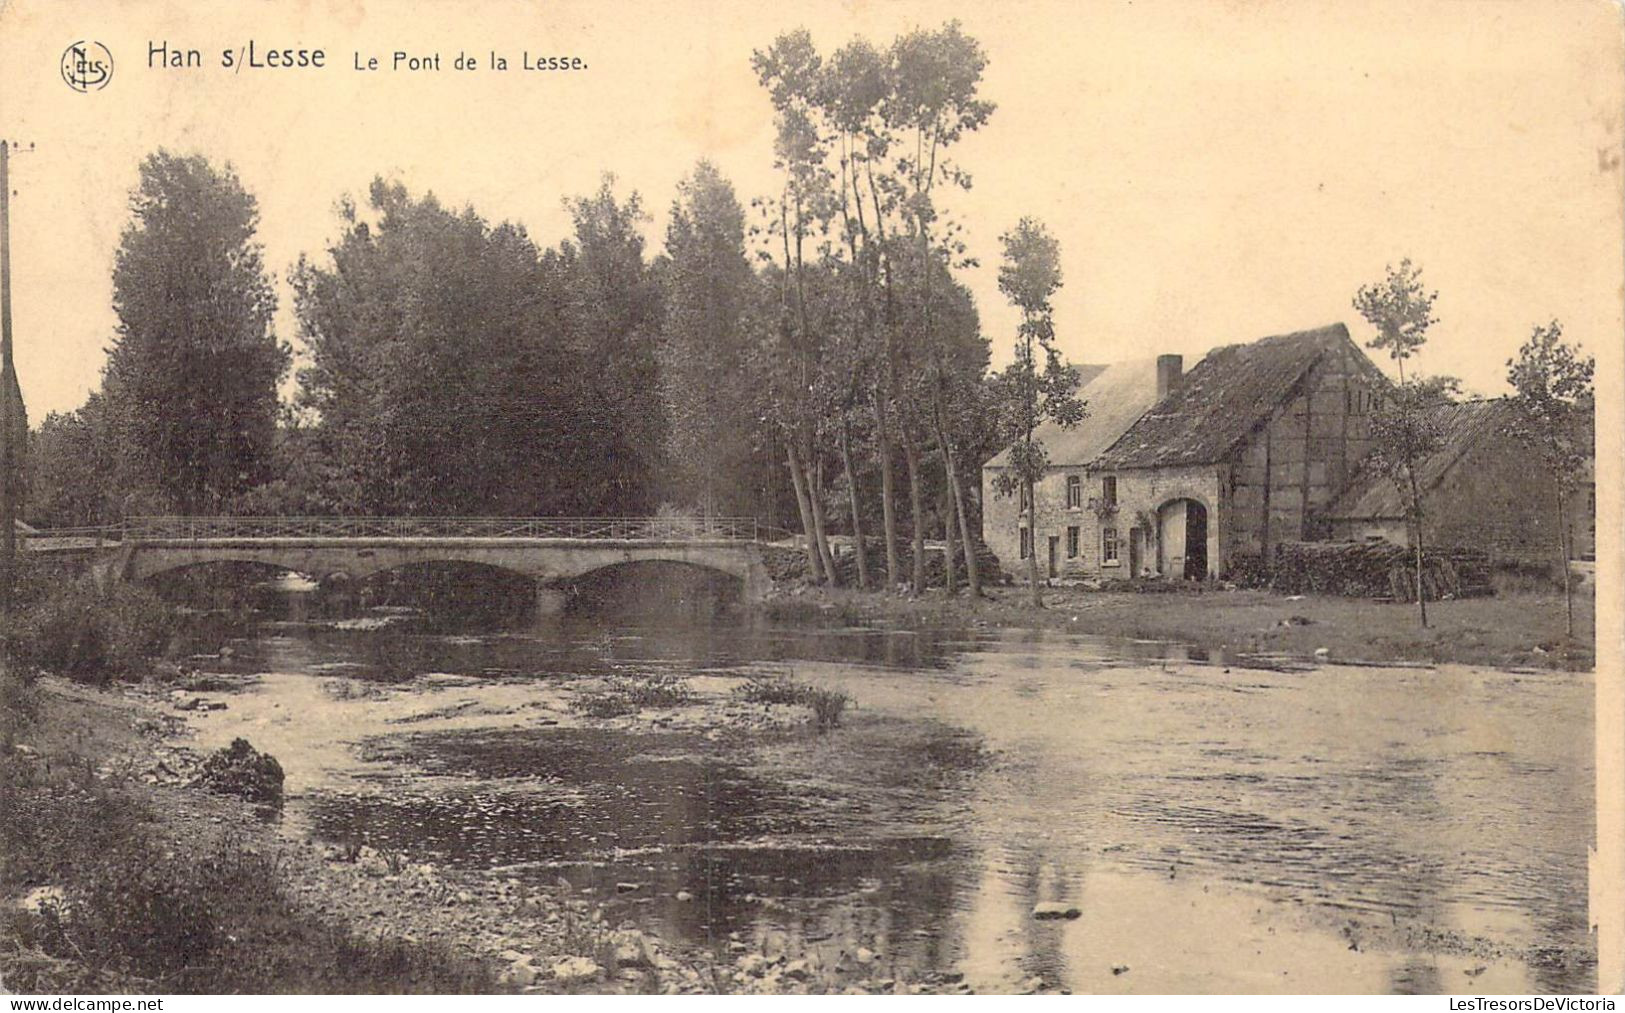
x,y
1378,570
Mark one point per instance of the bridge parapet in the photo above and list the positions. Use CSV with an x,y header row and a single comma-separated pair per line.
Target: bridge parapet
x,y
549,549
637,529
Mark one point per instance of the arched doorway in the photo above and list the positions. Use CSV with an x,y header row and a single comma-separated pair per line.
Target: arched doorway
x,y
1182,540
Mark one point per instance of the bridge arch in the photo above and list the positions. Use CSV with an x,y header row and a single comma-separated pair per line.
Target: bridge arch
x,y
643,584
545,561
172,567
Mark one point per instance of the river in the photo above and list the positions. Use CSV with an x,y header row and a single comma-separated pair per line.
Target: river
x,y
1219,827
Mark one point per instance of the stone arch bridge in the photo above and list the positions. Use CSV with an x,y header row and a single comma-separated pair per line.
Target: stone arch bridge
x,y
549,550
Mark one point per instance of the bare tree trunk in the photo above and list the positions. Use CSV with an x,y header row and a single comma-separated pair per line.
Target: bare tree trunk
x,y
911,457
1416,513
972,572
949,580
973,567
815,562
1032,542
852,494
1563,547
888,486
815,488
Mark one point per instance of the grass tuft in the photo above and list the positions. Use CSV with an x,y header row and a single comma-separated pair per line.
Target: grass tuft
x,y
622,695
827,704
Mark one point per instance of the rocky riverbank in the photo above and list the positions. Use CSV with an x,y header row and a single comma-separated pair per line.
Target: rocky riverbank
x,y
149,745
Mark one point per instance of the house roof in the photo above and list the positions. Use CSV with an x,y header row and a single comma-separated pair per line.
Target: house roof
x,y
1227,395
1462,426
1116,396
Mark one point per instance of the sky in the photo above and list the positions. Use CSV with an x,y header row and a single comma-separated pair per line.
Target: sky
x,y
1215,172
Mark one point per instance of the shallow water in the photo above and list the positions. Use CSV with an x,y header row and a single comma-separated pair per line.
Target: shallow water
x,y
1221,828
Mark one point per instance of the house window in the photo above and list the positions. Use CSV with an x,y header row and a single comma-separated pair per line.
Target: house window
x,y
1026,542
1108,545
1026,498
1072,542
1108,490
1074,491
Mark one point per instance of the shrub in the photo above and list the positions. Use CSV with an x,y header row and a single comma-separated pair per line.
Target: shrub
x,y
599,704
240,769
773,689
653,690
623,695
827,704
19,704
88,635
1247,569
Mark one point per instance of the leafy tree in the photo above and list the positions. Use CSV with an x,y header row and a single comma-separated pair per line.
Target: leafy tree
x,y
1042,386
442,377
1555,406
611,311
863,140
192,375
932,104
708,286
73,481
851,99
1404,427
799,216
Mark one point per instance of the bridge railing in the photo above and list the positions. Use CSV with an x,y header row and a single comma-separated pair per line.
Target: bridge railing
x,y
596,528
70,539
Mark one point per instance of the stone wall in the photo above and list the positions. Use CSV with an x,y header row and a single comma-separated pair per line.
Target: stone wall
x,y
1140,493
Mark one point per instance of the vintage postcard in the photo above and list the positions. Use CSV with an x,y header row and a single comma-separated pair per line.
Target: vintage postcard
x,y
864,496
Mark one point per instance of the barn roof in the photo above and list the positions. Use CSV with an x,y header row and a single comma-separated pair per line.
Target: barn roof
x,y
1462,427
1116,396
1224,398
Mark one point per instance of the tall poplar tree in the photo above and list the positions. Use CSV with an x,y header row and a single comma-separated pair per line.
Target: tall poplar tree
x,y
1041,384
192,375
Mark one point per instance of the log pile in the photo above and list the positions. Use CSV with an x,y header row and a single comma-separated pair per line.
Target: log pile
x,y
1378,570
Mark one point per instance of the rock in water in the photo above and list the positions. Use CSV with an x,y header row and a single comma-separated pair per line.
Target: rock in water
x,y
1049,909
241,770
574,970
518,974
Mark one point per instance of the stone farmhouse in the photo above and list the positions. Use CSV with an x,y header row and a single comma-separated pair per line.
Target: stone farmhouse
x,y
1190,475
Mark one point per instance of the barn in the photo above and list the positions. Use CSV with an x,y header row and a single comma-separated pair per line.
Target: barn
x,y
1190,475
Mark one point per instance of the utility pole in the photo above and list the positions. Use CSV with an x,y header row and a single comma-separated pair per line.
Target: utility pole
x,y
13,416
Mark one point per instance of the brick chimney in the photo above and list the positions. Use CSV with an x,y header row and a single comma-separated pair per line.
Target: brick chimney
x,y
1169,370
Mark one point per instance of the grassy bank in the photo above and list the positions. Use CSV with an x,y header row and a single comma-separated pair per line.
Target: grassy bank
x,y
109,883
113,880
1519,629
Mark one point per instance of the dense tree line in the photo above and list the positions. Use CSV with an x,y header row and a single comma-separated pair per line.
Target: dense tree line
x,y
812,361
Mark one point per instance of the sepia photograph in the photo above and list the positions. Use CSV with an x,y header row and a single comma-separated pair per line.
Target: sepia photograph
x,y
873,497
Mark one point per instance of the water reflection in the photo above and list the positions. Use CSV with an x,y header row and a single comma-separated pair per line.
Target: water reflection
x,y
1222,827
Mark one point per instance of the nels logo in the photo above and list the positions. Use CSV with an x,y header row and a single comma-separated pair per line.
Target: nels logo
x,y
87,66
